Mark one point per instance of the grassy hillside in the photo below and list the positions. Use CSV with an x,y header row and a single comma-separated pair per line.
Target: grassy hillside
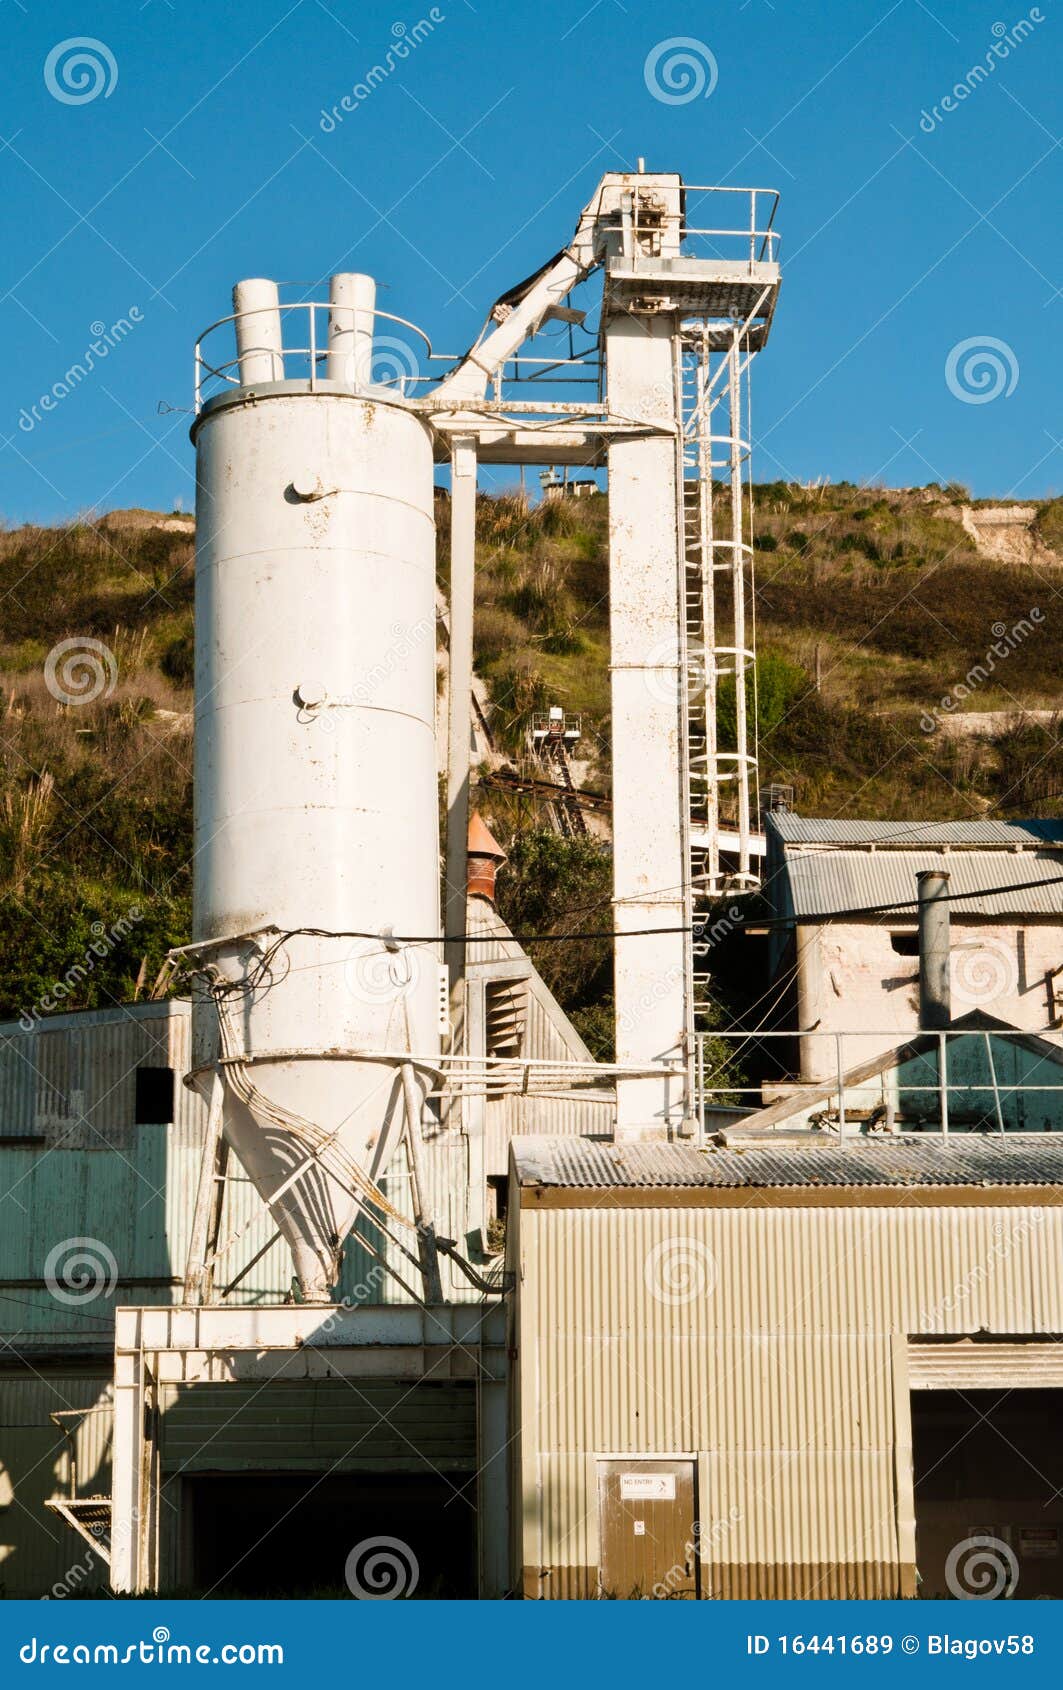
x,y
882,594
95,762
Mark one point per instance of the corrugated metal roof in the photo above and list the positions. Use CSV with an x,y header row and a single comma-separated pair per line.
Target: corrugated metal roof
x,y
1018,1159
827,830
822,882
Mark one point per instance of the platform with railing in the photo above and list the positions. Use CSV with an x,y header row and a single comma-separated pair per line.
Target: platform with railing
x,y
726,269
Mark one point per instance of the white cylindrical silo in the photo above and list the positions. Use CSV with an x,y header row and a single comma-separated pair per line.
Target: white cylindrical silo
x,y
316,788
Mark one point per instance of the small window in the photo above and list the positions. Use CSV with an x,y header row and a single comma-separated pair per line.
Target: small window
x,y
497,1210
154,1099
498,1196
905,944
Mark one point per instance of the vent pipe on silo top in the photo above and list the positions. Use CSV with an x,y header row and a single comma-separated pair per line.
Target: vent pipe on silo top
x,y
259,339
935,1008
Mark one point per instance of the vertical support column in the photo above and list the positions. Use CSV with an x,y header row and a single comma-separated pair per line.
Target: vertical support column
x,y
426,1232
650,867
459,732
195,1265
474,1102
127,1480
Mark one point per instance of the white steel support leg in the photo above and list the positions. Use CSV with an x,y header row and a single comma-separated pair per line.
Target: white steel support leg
x,y
134,1483
650,869
206,1195
459,732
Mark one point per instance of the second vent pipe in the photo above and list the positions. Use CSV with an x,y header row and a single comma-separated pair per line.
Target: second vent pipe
x,y
935,1009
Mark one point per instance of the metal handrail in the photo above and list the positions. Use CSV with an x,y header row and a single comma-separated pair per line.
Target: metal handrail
x,y
832,1090
752,231
315,351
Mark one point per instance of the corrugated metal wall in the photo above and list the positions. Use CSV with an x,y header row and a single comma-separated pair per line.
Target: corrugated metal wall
x,y
760,1340
76,1166
334,1425
512,1116
39,1554
549,1036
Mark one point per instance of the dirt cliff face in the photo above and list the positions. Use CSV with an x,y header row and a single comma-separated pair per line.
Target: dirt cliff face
x,y
1005,533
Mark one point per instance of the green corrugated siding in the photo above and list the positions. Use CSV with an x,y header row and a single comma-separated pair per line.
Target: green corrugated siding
x,y
345,1425
37,1550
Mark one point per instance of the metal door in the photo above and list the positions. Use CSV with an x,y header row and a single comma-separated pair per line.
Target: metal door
x,y
647,1530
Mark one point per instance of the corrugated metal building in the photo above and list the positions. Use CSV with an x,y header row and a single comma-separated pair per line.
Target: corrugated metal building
x,y
100,1149
840,971
726,1358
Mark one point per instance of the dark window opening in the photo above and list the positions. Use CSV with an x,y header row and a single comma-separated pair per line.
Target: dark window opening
x,y
988,1471
154,1097
497,1210
905,944
285,1535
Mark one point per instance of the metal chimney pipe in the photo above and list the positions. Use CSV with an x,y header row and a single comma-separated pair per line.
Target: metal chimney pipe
x,y
259,346
352,302
935,1009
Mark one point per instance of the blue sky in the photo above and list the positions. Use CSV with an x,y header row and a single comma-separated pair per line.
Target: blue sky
x,y
904,235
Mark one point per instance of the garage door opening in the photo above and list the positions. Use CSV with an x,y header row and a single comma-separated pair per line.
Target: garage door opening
x,y
988,1469
291,1535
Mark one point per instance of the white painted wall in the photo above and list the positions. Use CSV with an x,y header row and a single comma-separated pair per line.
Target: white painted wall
x,y
851,980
